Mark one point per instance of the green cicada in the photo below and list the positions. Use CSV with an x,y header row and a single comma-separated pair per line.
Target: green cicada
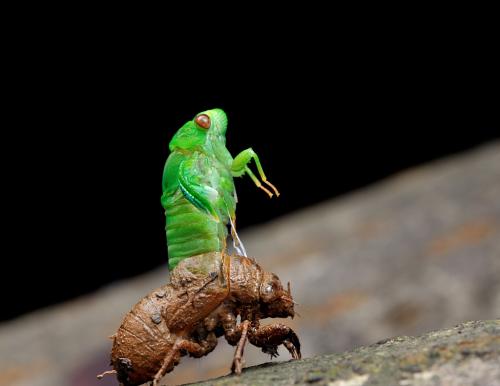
x,y
199,196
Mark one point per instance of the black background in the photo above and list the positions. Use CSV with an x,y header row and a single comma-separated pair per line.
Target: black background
x,y
91,126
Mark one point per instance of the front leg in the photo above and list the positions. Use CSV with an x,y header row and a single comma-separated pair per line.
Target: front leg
x,y
271,336
240,167
207,342
232,332
236,335
238,353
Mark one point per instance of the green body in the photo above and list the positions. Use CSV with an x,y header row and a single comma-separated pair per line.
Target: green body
x,y
198,190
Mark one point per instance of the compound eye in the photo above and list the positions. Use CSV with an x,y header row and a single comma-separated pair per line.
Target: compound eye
x,y
268,289
268,292
203,120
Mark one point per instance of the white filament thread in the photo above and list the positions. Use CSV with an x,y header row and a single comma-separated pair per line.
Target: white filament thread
x,y
237,244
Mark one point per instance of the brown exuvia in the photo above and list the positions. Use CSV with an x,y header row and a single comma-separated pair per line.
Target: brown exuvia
x,y
205,296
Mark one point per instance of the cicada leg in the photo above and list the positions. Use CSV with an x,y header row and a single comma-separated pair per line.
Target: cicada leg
x,y
257,182
194,349
239,167
109,372
271,336
237,366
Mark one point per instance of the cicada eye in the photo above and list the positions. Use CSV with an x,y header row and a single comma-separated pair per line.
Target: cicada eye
x,y
203,120
268,289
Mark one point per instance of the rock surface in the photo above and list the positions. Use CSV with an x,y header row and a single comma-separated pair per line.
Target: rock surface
x,y
468,354
417,252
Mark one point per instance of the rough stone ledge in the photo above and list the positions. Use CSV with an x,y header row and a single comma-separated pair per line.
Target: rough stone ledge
x,y
468,354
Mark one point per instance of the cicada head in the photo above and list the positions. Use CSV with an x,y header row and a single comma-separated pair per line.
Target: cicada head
x,y
275,301
207,126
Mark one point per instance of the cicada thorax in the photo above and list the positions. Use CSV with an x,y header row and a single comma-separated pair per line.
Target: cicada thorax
x,y
202,282
245,276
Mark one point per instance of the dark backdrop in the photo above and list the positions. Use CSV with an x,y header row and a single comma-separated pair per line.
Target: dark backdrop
x,y
90,136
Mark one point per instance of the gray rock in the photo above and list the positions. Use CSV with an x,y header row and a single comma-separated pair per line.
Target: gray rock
x,y
468,354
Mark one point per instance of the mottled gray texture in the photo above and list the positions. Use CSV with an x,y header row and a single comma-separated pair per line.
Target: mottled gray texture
x,y
416,252
468,354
